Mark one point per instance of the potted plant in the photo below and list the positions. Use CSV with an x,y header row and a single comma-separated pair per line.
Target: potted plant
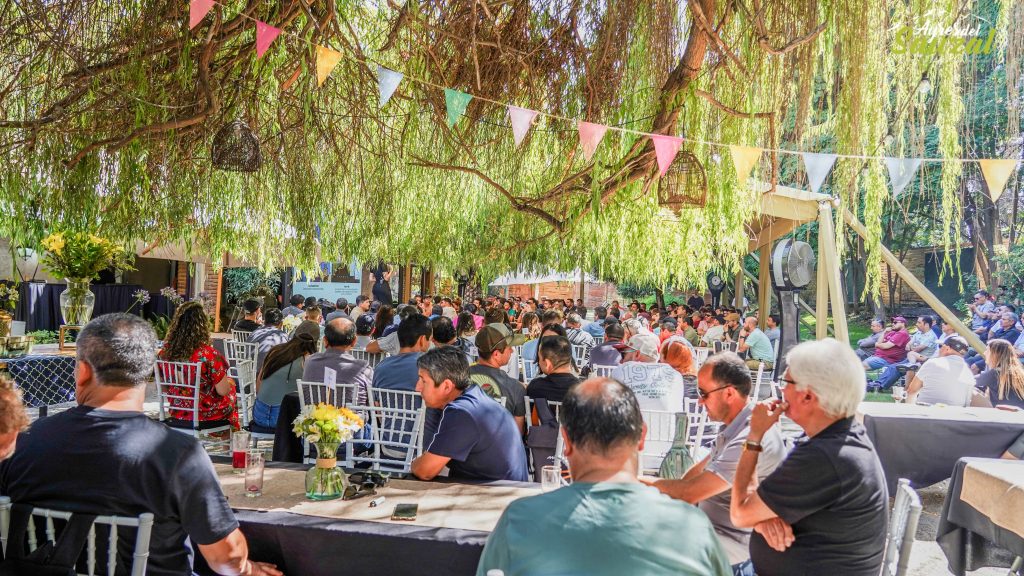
x,y
8,301
326,427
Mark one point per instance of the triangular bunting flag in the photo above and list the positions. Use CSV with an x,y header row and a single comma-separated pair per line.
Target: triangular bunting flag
x,y
744,158
818,166
197,10
665,148
387,83
997,174
590,136
326,60
265,34
901,172
456,103
521,119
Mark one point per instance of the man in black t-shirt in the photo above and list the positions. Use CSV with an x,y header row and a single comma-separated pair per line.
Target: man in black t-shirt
x,y
122,463
554,358
252,320
494,342
824,510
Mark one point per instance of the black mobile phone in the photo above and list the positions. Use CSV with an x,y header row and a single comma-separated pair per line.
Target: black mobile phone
x,y
405,512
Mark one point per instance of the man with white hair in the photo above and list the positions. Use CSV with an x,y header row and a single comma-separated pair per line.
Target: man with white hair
x,y
824,509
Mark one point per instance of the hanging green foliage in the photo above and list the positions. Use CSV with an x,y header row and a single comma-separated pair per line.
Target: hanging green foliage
x,y
107,126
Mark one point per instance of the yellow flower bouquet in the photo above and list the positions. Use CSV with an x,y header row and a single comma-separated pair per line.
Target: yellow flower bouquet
x,y
326,427
79,257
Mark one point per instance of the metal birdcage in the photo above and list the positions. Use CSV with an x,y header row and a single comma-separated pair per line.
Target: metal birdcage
x,y
236,148
685,184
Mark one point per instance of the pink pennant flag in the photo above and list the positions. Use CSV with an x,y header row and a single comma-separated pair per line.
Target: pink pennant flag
x,y
521,119
590,136
197,10
265,34
665,148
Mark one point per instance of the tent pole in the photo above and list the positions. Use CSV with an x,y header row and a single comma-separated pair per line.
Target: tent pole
x,y
827,233
821,300
764,286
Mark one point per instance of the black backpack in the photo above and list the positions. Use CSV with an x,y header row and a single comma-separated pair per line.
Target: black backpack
x,y
542,439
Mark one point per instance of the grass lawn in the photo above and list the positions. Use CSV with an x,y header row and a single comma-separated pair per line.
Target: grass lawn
x,y
858,328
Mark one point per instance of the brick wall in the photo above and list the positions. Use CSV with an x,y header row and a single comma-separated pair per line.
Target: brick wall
x,y
595,293
904,296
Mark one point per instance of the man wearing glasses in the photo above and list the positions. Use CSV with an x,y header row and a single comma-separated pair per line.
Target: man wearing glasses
x,y
723,385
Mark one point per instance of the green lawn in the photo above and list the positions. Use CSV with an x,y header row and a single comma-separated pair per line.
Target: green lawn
x,y
858,328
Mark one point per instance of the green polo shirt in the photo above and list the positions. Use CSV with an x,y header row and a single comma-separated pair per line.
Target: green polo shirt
x,y
605,528
760,346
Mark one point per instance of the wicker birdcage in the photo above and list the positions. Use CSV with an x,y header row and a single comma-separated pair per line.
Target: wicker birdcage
x,y
236,148
685,184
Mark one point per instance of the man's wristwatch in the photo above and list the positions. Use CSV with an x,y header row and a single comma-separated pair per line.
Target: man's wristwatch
x,y
753,446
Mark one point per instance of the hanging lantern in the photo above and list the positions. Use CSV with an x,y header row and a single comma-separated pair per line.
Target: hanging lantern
x,y
685,184
236,149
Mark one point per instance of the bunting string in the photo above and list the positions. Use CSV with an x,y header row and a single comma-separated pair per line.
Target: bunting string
x,y
901,170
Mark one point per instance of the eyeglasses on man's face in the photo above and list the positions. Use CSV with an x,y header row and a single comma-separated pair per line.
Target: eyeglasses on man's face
x,y
704,395
783,382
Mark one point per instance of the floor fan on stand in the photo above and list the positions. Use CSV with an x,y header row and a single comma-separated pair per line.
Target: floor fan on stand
x,y
792,269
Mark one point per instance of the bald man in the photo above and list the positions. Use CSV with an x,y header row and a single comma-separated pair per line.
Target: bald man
x,y
339,338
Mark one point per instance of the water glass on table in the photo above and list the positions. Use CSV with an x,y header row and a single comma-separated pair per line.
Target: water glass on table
x,y
239,444
254,473
550,478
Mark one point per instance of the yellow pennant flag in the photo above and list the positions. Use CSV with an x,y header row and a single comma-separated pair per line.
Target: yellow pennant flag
x,y
997,173
326,60
744,158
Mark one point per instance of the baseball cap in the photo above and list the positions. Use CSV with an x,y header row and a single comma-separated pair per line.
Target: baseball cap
x,y
957,343
645,343
899,319
364,323
493,336
374,306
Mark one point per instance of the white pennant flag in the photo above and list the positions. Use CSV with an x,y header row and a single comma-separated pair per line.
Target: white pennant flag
x,y
522,119
387,82
818,166
901,172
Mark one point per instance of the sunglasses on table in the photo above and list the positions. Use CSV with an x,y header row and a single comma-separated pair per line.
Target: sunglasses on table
x,y
365,489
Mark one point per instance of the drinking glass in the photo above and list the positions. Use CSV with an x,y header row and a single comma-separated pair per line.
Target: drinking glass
x,y
550,478
239,444
899,393
253,473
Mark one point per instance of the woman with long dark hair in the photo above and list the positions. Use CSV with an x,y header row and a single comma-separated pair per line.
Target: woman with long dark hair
x,y
281,372
384,322
188,340
1004,381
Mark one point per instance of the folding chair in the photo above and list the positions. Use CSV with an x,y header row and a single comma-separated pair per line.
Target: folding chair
x,y
244,375
235,352
602,370
395,438
700,432
755,376
370,358
529,369
661,432
178,386
556,407
240,335
702,355
580,354
143,523
906,511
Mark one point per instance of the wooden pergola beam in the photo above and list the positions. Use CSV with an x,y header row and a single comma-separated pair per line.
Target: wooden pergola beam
x,y
827,232
917,286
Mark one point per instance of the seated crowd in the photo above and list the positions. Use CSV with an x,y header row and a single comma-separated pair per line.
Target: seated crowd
x,y
820,508
941,367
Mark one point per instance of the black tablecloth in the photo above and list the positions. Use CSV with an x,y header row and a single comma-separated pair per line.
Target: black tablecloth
x,y
926,451
287,446
967,537
44,379
315,546
39,303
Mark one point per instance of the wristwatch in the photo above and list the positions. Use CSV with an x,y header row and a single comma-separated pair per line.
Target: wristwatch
x,y
753,446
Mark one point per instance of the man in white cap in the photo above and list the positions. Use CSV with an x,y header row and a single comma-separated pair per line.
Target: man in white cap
x,y
657,386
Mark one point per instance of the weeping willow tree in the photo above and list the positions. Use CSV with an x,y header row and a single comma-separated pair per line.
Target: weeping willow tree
x,y
109,109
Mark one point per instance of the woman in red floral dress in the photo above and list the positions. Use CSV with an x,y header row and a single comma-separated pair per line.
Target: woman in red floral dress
x,y
188,340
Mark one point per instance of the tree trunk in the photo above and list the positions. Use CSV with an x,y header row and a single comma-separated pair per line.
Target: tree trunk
x,y
659,297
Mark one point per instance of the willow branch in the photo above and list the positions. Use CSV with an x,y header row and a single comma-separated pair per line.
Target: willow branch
x,y
705,25
762,34
515,201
